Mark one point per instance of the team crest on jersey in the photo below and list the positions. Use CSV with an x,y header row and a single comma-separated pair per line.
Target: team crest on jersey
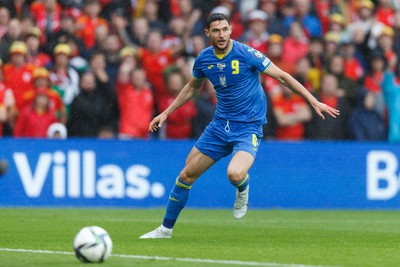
x,y
221,66
258,54
222,80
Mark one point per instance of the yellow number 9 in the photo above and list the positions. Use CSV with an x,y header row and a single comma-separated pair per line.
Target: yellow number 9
x,y
235,66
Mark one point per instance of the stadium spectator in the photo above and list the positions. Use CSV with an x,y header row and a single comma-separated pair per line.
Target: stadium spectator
x,y
256,35
18,73
303,73
7,104
275,23
291,112
64,34
385,12
275,52
179,124
14,33
323,10
365,20
295,45
64,78
35,55
346,86
136,102
385,44
194,46
155,60
47,14
331,47
4,20
18,8
230,8
391,92
106,86
373,83
87,23
41,84
36,118
138,31
192,16
315,57
354,67
302,14
87,109
337,23
365,123
150,12
330,129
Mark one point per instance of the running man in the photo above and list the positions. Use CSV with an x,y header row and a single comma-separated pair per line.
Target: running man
x,y
233,68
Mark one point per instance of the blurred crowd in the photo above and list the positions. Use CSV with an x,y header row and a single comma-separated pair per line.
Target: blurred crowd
x,y
102,68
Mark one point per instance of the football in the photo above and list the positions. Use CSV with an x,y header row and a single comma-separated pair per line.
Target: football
x,y
92,244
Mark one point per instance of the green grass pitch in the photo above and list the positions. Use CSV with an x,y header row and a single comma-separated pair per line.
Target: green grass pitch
x,y
278,238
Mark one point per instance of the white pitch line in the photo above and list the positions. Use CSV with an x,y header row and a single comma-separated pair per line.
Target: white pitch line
x,y
161,258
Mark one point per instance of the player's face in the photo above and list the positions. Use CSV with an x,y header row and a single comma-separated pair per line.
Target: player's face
x,y
220,33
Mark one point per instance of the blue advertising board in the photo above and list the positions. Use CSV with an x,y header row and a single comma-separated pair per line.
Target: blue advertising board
x,y
114,173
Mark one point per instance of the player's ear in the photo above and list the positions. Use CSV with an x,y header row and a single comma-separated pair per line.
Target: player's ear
x,y
207,32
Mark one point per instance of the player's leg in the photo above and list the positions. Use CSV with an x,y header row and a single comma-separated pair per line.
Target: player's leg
x,y
238,169
196,164
247,141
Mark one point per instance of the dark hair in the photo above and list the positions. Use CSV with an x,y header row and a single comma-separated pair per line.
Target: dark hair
x,y
215,17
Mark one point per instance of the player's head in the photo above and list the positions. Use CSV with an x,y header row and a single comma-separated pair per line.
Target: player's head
x,y
219,29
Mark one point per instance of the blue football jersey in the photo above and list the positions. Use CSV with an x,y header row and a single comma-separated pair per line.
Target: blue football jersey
x,y
235,76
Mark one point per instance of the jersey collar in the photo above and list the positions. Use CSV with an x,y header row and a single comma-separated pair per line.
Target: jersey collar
x,y
221,56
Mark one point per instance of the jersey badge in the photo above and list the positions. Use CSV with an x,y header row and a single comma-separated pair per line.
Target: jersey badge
x,y
221,66
222,80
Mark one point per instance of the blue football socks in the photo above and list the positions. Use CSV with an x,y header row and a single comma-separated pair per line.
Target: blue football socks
x,y
242,184
176,202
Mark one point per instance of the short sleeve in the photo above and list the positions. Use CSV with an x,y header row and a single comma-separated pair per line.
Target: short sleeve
x,y
257,59
197,72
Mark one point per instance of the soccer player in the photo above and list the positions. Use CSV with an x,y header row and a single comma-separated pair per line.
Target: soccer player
x,y
233,69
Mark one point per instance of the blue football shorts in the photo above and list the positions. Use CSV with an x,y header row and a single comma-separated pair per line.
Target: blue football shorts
x,y
221,138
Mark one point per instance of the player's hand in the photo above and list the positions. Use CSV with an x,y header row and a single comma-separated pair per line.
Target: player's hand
x,y
321,108
157,122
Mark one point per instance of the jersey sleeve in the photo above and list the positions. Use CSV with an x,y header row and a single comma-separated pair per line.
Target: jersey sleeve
x,y
197,72
257,59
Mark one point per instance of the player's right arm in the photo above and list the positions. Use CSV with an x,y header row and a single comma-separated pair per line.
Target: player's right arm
x,y
188,91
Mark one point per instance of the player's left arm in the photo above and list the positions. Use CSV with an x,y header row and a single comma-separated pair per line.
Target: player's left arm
x,y
287,80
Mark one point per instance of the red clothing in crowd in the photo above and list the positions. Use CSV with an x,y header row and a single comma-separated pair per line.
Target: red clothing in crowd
x,y
289,105
136,110
3,90
19,80
39,13
32,124
154,65
87,29
373,82
386,16
293,50
323,11
40,59
179,123
353,69
55,101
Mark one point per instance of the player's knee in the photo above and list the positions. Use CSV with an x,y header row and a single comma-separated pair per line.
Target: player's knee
x,y
186,177
235,175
